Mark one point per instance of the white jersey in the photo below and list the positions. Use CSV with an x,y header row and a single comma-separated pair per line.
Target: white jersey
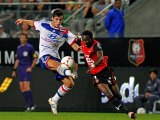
x,y
52,38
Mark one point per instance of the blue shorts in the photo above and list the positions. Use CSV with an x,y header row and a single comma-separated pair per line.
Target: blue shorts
x,y
22,74
43,63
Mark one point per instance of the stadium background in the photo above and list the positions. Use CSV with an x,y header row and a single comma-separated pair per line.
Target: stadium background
x,y
84,96
142,22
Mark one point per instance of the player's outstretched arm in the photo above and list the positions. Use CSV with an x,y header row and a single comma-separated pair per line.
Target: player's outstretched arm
x,y
29,22
76,47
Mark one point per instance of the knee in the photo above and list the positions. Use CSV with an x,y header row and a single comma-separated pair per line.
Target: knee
x,y
21,88
110,97
69,84
24,88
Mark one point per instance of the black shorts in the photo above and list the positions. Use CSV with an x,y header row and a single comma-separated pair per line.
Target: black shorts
x,y
105,76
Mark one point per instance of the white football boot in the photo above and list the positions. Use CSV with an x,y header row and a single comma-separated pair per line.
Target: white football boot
x,y
53,105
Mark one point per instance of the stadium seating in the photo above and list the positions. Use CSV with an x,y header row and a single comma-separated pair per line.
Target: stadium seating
x,y
156,106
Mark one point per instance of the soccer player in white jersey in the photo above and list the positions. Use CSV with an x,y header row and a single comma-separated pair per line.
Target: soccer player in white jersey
x,y
52,36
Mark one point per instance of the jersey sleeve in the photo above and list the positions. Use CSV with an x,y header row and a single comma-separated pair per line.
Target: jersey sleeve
x,y
71,38
97,47
37,25
33,52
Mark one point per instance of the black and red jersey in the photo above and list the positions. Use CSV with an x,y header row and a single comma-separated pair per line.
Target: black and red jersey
x,y
91,57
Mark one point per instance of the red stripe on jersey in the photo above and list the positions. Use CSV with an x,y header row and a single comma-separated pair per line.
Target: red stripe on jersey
x,y
75,39
65,31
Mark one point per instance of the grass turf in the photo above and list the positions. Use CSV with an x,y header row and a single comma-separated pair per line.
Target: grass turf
x,y
72,116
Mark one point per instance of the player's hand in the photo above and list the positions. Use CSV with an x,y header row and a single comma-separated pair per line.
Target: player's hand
x,y
75,67
29,69
91,66
79,37
74,75
80,49
19,21
14,74
74,71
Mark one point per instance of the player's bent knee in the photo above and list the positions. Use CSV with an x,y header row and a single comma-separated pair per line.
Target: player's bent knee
x,y
69,84
110,97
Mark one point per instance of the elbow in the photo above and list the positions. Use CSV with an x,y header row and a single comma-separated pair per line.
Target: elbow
x,y
101,58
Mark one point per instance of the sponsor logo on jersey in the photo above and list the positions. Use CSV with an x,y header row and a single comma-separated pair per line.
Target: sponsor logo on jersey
x,y
53,37
136,53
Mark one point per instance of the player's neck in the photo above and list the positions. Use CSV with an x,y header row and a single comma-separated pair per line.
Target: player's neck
x,y
52,24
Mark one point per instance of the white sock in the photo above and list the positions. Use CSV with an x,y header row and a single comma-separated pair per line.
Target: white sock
x,y
63,71
61,92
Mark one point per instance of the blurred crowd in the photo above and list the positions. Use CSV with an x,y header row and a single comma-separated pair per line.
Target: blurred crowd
x,y
80,21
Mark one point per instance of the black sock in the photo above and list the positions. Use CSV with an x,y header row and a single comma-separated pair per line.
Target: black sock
x,y
118,105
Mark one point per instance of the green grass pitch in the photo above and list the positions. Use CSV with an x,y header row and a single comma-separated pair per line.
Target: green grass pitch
x,y
72,116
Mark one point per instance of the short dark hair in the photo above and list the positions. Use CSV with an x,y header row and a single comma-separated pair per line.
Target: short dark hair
x,y
154,70
57,12
88,33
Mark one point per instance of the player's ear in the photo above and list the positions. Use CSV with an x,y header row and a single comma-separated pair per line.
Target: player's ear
x,y
52,18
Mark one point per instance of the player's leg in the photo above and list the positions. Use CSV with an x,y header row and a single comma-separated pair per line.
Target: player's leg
x,y
21,73
105,82
24,83
106,90
63,89
52,63
116,92
28,91
25,89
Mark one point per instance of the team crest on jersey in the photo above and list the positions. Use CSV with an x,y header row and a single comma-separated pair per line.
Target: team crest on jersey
x,y
136,53
25,53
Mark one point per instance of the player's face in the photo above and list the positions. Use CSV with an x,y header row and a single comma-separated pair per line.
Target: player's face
x,y
87,41
57,21
23,39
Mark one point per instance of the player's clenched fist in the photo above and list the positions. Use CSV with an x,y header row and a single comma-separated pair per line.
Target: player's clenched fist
x,y
19,21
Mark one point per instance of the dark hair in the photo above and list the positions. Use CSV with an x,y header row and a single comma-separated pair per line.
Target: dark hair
x,y
88,33
153,70
24,35
57,12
